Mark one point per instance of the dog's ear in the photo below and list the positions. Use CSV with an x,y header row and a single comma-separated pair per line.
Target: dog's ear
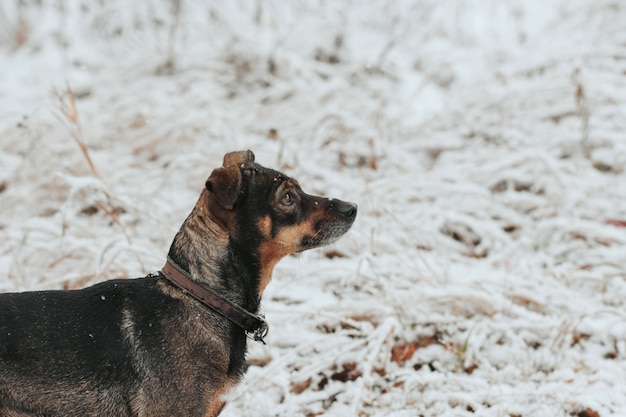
x,y
225,184
245,158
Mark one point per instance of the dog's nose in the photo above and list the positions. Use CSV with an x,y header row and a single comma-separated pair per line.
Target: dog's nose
x,y
346,209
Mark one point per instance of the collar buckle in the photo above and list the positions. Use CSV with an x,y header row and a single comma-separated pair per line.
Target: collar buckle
x,y
260,333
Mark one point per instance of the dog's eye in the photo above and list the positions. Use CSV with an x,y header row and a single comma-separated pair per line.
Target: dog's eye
x,y
287,199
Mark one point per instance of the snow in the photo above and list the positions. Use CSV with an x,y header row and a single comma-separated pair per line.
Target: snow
x,y
484,143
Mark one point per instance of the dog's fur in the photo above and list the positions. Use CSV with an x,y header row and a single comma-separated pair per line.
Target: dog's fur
x,y
143,347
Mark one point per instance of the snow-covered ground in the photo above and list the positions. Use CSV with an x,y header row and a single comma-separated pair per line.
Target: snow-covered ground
x,y
485,143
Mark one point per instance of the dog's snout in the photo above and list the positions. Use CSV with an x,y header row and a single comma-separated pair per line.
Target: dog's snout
x,y
344,208
348,210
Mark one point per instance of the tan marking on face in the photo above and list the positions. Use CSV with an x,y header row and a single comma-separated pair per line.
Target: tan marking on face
x,y
286,242
265,227
318,214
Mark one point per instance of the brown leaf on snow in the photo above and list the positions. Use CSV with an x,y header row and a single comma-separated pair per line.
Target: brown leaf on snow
x,y
332,254
359,318
300,387
425,341
526,302
402,353
323,382
348,373
470,369
326,328
587,412
616,222
577,337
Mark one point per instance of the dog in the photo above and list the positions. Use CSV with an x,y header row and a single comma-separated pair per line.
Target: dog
x,y
171,343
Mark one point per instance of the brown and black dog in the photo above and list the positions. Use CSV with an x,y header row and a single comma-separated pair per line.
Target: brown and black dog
x,y
156,346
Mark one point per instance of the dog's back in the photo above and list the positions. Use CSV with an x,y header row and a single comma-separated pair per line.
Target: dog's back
x,y
110,348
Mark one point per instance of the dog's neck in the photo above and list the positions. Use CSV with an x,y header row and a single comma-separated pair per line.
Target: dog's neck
x,y
201,247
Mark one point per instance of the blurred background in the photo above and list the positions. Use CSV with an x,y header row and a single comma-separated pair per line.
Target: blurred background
x,y
483,141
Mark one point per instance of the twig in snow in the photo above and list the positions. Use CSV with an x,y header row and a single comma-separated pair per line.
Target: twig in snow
x,y
68,107
70,111
582,109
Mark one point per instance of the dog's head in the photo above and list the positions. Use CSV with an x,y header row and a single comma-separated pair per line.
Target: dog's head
x,y
267,214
